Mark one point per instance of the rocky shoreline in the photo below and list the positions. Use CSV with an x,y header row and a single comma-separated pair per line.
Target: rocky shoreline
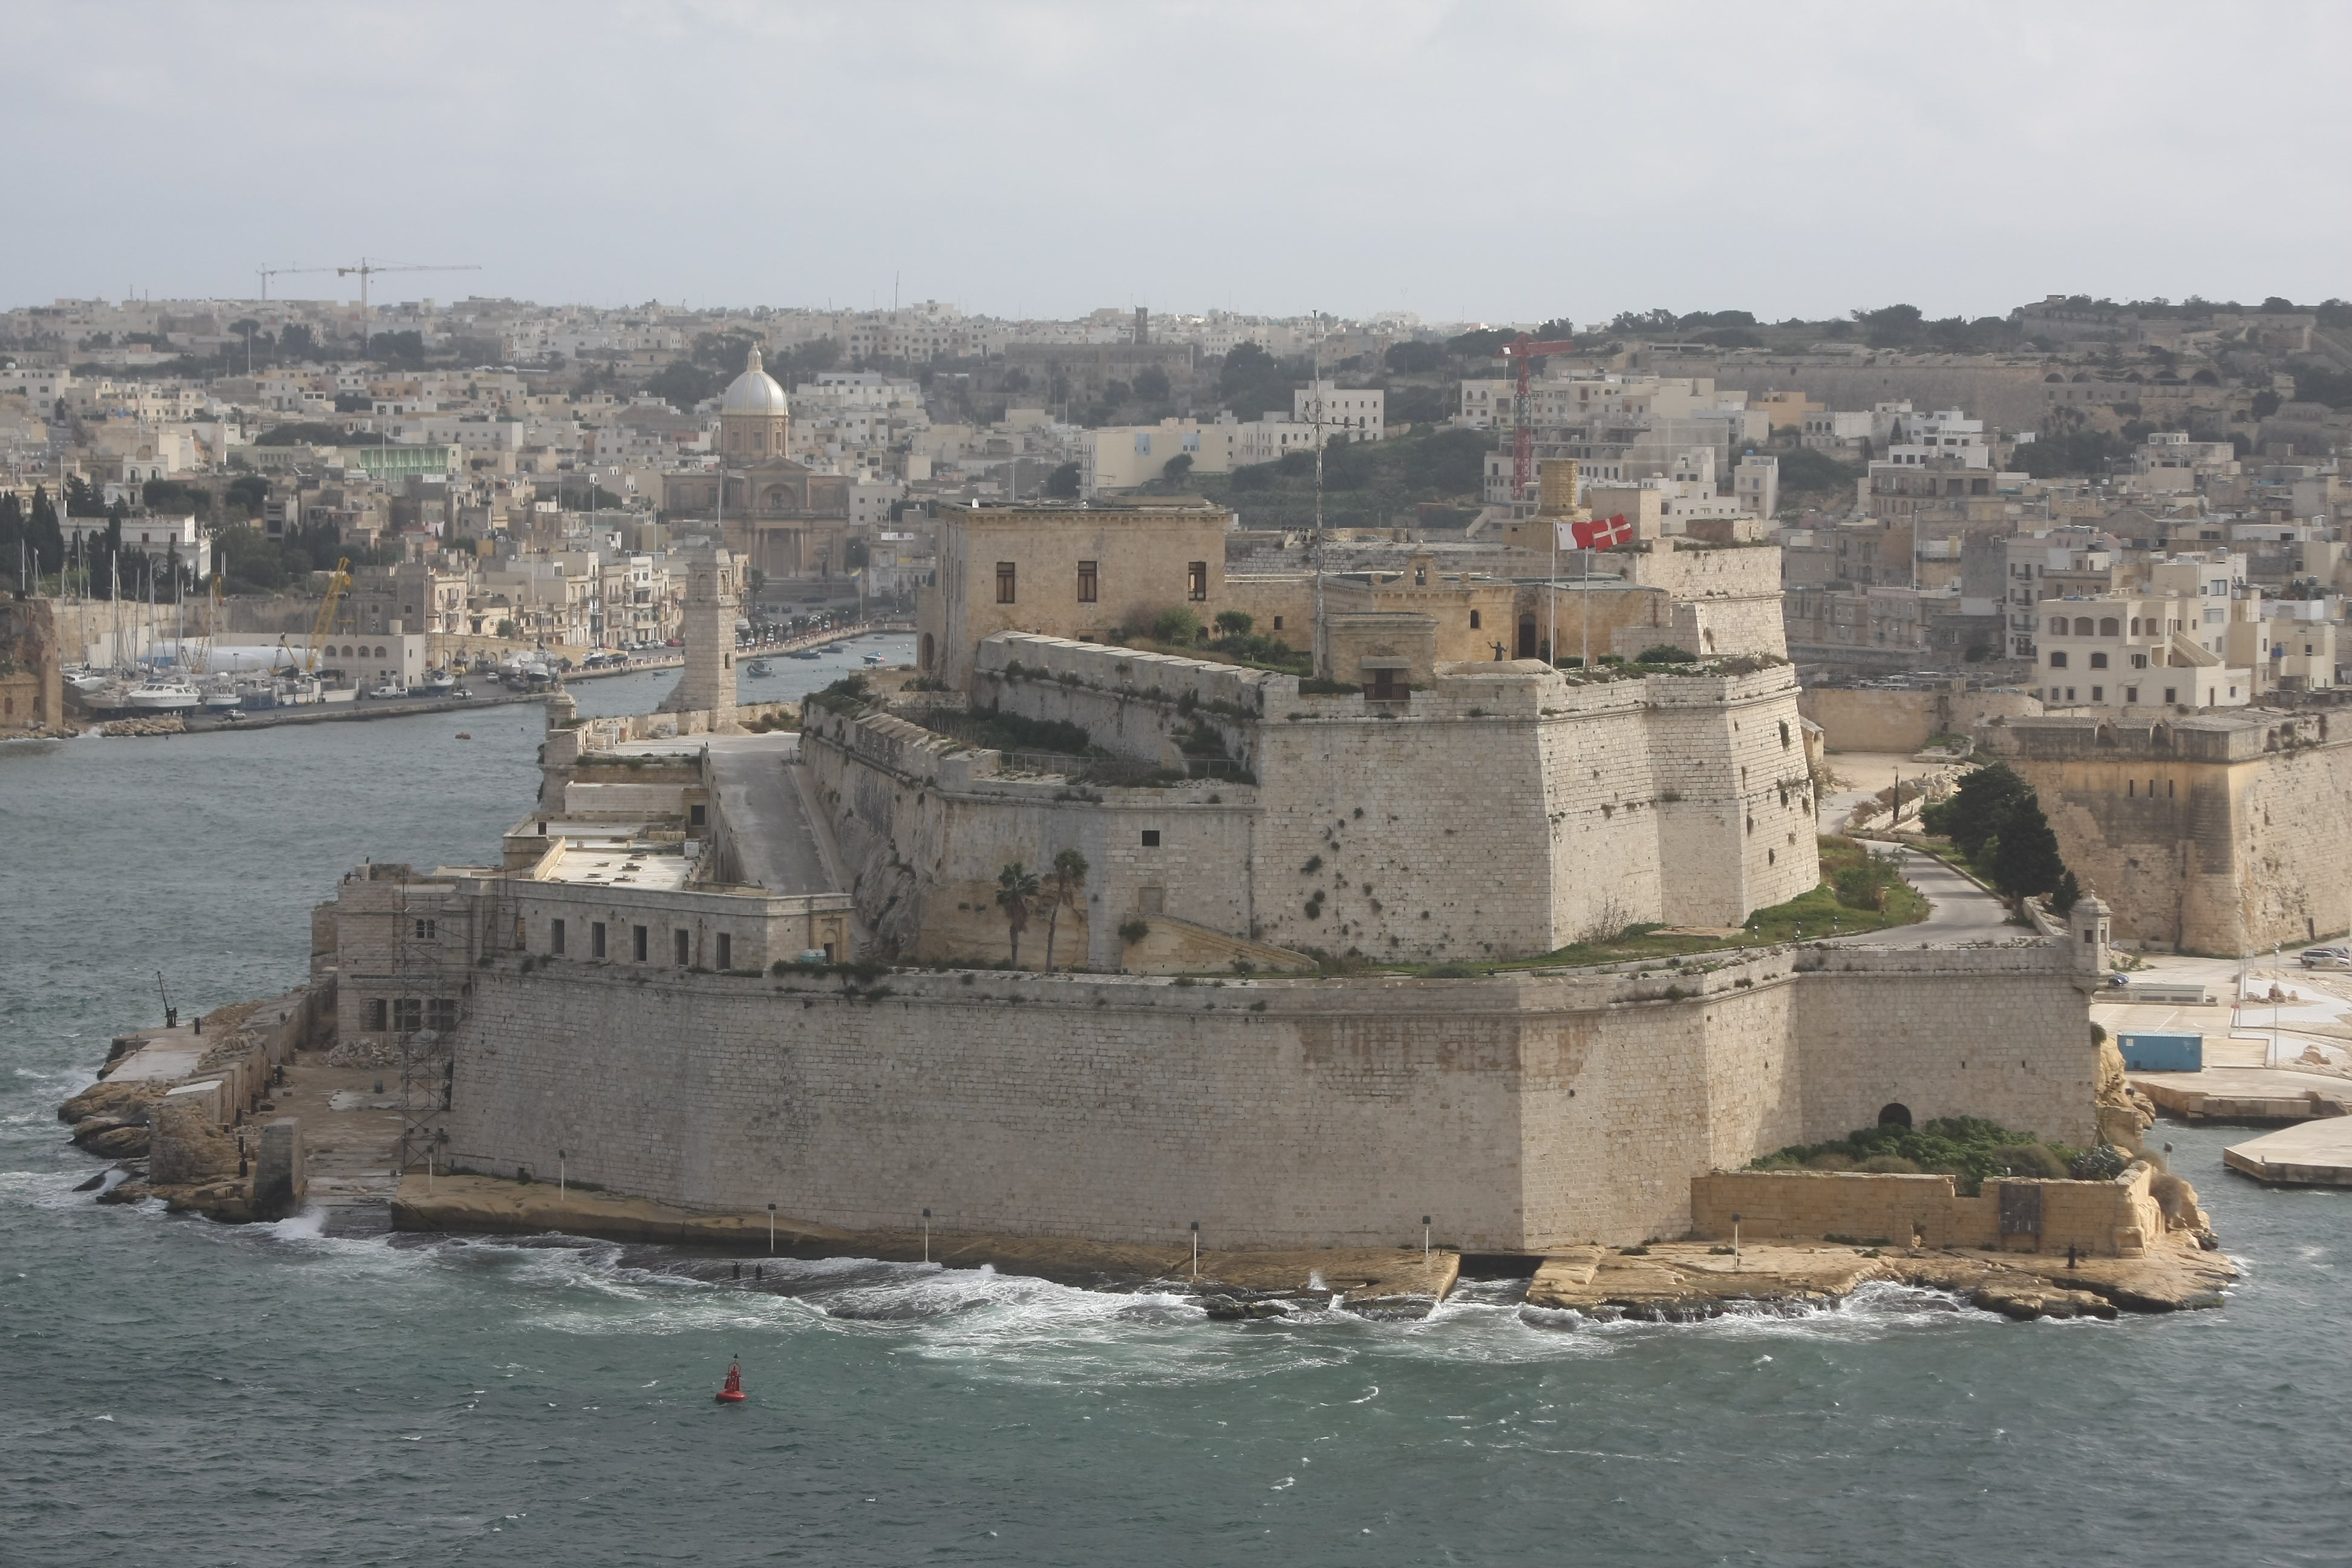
x,y
1663,1282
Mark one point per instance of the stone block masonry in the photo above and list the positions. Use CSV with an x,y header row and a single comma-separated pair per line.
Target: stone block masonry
x,y
1523,1112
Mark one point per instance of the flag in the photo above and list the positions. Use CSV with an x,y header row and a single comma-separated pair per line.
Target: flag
x,y
1603,533
1563,536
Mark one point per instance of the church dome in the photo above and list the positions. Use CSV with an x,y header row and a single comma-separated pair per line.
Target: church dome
x,y
754,391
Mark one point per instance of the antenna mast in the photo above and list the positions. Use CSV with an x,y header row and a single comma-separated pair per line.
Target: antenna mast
x,y
1322,642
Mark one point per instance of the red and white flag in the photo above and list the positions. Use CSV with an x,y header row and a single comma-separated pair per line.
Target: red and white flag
x,y
1602,533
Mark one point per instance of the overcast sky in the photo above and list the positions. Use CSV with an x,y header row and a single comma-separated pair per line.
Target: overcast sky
x,y
1487,161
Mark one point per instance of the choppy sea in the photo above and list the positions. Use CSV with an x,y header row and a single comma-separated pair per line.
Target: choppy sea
x,y
177,1391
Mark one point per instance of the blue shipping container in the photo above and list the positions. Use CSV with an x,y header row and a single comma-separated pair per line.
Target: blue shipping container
x,y
2149,1052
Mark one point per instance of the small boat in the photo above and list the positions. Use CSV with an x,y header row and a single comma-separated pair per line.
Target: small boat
x,y
876,658
465,734
758,668
439,682
806,653
733,1393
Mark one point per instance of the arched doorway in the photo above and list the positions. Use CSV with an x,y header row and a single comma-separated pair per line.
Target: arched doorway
x,y
1527,636
1894,1115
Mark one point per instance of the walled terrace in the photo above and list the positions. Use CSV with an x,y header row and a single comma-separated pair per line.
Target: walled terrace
x,y
1458,811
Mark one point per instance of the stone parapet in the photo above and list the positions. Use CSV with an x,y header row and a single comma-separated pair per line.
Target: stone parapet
x,y
2104,1219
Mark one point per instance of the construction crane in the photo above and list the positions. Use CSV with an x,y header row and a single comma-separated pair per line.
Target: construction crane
x,y
267,273
337,585
1526,351
367,270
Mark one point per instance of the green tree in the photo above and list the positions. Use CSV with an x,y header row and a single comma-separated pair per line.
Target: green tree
x,y
1981,807
1176,469
1177,626
1068,880
1235,623
1152,384
1017,891
1062,484
2025,856
682,384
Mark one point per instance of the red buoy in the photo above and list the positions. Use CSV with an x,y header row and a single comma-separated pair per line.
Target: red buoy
x,y
733,1393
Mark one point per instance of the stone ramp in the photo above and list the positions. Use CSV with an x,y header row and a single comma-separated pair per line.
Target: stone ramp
x,y
2315,1154
776,846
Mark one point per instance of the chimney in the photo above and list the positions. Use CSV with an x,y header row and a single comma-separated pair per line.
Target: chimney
x,y
1142,325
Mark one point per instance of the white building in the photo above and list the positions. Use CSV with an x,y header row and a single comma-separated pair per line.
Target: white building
x,y
1358,413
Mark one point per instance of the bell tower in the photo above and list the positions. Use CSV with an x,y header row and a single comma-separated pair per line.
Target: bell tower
x,y
713,597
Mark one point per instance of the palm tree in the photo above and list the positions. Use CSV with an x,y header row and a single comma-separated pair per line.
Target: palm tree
x,y
1017,889
1069,875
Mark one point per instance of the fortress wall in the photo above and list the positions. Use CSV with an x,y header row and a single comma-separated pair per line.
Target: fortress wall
x,y
2000,1033
2210,856
1741,835
1523,1112
1859,721
928,846
2009,395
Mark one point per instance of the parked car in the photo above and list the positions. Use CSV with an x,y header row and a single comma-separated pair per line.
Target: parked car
x,y
2326,958
388,689
462,695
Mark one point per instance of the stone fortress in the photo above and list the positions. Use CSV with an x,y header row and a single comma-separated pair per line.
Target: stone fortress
x,y
726,966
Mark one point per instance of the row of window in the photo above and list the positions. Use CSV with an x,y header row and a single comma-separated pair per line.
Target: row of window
x,y
406,1015
2098,660
1008,582
2131,694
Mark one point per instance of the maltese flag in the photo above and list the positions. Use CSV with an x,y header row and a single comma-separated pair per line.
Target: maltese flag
x,y
1602,533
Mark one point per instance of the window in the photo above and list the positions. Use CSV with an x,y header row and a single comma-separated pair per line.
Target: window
x,y
441,1013
1277,622
425,930
725,951
1088,585
2139,661
699,815
2107,625
1474,620
2098,661
2172,694
375,1013
597,939
1196,581
2131,694
1004,582
555,936
2058,625
2098,694
2057,659
637,937
408,1014
684,946
1151,839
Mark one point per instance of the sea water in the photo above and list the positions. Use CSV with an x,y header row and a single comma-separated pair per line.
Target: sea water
x,y
172,1389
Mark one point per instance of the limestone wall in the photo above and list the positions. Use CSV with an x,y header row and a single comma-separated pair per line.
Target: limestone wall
x,y
1522,1111
1856,720
2205,856
2107,1219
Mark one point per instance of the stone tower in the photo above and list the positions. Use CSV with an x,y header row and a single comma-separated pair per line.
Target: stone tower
x,y
713,596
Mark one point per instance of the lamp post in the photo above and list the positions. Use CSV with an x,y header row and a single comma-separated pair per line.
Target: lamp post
x,y
560,1174
771,1229
1734,1241
1196,1251
927,1236
1424,1241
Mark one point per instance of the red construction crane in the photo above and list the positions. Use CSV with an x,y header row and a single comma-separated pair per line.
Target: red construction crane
x,y
1527,350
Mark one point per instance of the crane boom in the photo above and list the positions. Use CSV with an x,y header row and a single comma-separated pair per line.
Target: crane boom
x,y
336,584
1525,350
267,273
367,270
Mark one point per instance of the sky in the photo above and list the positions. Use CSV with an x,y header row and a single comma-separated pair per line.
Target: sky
x,y
1496,160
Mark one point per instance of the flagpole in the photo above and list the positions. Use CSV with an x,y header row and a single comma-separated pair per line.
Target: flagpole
x,y
1584,592
1551,601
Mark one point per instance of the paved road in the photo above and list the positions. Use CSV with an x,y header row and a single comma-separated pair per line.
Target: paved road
x,y
754,792
1959,911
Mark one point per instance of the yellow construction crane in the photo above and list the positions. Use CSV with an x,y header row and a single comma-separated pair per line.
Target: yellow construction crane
x,y
337,584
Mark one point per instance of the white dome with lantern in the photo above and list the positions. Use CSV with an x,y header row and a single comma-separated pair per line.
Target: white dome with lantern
x,y
754,391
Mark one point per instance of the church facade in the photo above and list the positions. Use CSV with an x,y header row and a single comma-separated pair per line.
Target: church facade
x,y
778,517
